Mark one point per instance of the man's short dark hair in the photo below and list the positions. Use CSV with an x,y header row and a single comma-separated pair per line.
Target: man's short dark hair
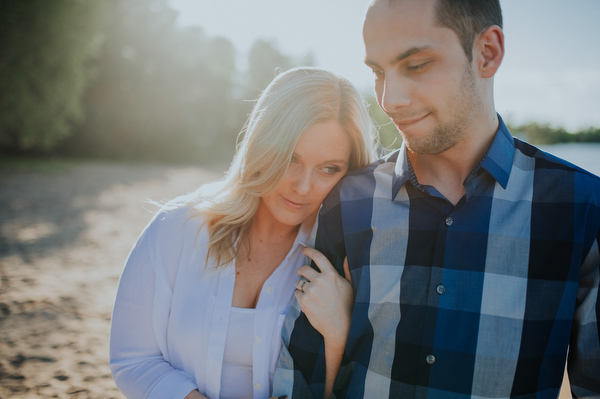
x,y
468,18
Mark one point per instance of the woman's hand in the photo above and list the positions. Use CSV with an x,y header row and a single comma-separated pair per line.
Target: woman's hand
x,y
326,298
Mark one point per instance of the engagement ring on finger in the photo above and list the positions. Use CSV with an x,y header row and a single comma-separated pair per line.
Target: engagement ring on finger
x,y
301,285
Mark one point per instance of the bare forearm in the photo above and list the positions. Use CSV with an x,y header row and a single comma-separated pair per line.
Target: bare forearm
x,y
334,351
195,394
327,299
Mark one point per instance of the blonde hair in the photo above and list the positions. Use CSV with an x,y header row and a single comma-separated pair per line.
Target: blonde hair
x,y
294,101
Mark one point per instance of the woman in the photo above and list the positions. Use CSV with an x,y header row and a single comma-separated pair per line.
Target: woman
x,y
205,290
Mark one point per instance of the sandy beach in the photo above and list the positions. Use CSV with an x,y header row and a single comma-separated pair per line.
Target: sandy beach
x,y
65,233
64,236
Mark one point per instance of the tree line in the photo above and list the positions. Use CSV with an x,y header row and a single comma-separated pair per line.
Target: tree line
x,y
538,133
120,79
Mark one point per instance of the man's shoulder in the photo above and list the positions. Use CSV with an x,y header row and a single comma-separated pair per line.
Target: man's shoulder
x,y
360,183
546,160
554,171
383,166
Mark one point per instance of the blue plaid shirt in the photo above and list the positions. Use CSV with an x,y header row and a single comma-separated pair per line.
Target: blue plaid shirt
x,y
479,299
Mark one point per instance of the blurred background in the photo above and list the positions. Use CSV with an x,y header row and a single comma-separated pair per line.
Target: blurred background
x,y
105,104
174,80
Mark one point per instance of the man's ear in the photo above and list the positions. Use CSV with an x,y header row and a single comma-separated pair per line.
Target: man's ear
x,y
488,50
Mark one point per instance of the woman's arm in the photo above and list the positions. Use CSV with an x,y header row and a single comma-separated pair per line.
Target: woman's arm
x,y
136,358
327,299
195,394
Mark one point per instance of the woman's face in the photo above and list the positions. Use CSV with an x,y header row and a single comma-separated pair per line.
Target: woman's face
x,y
319,161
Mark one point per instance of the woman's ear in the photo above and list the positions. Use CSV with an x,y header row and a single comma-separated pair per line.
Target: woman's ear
x,y
489,51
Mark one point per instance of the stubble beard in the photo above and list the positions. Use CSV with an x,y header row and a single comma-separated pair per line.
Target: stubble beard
x,y
446,135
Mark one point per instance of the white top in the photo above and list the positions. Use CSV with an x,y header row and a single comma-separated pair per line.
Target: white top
x,y
236,375
171,317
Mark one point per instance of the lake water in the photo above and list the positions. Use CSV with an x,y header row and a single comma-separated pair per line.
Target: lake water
x,y
586,155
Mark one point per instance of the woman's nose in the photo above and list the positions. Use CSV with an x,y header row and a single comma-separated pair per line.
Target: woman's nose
x,y
303,182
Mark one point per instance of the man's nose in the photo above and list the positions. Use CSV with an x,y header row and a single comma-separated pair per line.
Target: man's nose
x,y
394,94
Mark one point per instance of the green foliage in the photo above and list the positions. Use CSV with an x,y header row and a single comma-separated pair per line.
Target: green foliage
x,y
265,62
161,92
166,93
45,165
543,134
45,46
389,137
122,80
590,135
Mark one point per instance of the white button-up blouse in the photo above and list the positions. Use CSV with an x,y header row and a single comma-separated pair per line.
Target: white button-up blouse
x,y
170,317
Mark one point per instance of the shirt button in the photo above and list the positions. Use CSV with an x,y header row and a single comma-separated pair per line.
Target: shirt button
x,y
440,289
256,385
449,221
430,359
257,339
269,290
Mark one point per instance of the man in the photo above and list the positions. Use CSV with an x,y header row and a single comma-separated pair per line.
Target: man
x,y
473,255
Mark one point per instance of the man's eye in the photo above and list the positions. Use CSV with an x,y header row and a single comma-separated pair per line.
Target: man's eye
x,y
418,67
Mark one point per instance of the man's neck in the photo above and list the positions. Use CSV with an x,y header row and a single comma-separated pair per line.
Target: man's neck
x,y
448,171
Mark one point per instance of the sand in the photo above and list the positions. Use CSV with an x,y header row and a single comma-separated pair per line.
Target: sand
x,y
64,237
65,234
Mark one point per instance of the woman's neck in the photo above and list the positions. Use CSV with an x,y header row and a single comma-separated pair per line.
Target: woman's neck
x,y
265,228
261,250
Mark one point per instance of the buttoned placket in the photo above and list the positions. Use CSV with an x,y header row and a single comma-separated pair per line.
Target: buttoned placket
x,y
437,287
265,310
268,310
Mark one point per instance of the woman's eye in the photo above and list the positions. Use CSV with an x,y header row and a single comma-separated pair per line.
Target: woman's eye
x,y
293,159
330,170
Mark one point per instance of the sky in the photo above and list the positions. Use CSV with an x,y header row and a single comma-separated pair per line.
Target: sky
x,y
550,72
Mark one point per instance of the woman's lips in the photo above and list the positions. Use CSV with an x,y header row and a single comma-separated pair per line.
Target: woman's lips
x,y
292,204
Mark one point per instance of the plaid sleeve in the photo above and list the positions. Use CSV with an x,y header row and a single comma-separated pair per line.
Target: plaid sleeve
x,y
584,349
288,380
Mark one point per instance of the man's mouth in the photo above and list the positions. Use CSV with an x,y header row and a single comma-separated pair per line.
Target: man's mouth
x,y
404,123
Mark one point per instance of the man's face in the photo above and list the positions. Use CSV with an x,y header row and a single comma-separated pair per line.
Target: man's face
x,y
423,80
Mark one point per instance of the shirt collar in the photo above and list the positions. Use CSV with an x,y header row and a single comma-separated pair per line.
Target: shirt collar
x,y
497,162
499,159
401,170
304,234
